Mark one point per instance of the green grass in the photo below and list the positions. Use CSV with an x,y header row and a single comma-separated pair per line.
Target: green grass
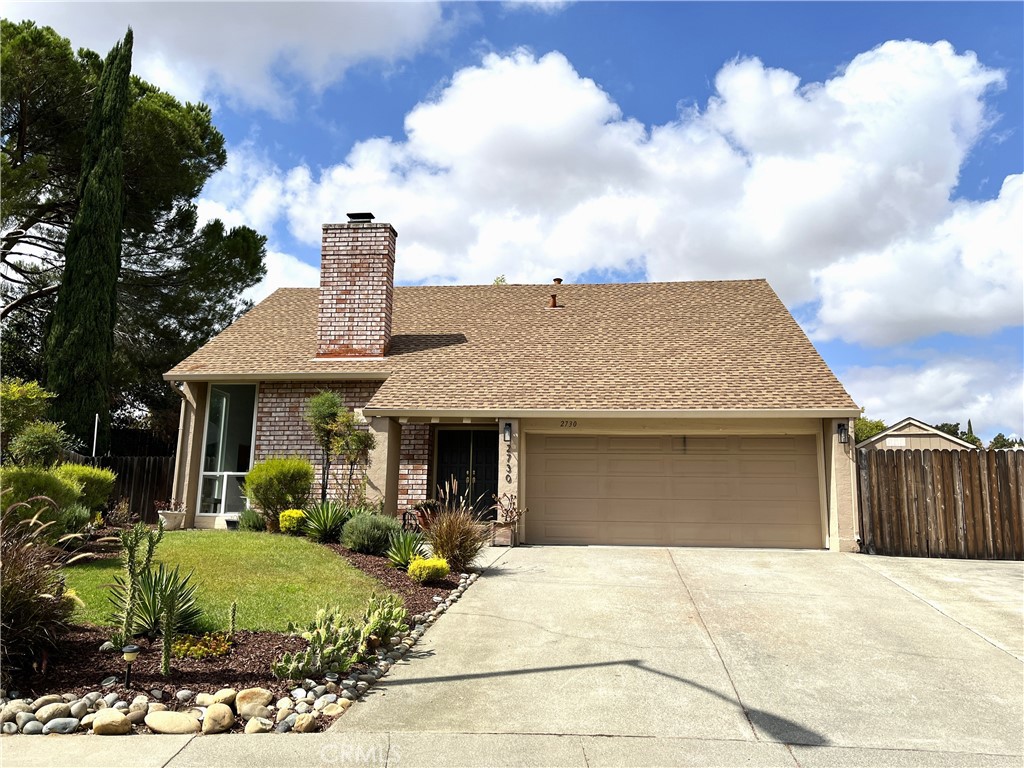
x,y
274,579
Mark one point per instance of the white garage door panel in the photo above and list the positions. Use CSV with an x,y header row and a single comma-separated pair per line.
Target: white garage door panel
x,y
720,491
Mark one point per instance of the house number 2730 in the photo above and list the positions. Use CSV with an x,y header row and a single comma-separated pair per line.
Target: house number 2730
x,y
567,423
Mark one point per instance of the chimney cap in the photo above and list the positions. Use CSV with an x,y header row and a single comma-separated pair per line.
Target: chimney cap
x,y
365,216
557,281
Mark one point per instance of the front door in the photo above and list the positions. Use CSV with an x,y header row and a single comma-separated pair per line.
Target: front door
x,y
470,457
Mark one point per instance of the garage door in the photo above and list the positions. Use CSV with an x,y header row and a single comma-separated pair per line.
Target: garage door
x,y
673,491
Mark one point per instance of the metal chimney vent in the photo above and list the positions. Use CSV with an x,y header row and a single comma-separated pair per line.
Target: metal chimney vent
x,y
360,216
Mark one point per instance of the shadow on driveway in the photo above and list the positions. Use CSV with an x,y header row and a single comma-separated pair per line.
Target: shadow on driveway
x,y
777,728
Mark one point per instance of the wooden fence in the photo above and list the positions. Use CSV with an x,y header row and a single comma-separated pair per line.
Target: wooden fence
x,y
933,503
143,480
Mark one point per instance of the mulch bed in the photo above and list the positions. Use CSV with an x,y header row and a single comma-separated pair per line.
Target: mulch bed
x,y
78,666
418,598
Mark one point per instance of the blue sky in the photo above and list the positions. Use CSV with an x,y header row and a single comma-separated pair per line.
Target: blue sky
x,y
866,157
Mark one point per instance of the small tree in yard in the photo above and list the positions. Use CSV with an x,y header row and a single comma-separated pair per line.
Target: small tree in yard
x,y
352,443
322,411
864,429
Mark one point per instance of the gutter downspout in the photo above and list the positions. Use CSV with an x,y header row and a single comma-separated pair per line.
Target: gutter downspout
x,y
185,403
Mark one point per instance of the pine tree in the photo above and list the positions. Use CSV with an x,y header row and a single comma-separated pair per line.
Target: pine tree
x,y
80,342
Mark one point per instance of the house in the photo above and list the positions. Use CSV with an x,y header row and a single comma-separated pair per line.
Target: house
x,y
686,413
913,434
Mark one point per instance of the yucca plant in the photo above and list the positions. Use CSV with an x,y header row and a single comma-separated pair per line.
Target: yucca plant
x,y
154,584
405,545
176,596
325,521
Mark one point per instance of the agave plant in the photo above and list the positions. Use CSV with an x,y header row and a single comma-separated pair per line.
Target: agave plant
x,y
325,520
405,545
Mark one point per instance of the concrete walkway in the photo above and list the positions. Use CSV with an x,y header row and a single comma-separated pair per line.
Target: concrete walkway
x,y
648,657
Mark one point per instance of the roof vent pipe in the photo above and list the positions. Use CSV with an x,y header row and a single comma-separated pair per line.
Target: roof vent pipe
x,y
557,281
554,301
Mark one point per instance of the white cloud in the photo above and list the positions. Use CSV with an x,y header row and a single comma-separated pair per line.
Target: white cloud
x,y
989,393
283,271
243,52
837,192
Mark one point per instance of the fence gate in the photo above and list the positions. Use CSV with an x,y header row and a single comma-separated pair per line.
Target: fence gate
x,y
938,503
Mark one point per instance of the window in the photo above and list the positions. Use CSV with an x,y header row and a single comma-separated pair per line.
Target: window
x,y
227,454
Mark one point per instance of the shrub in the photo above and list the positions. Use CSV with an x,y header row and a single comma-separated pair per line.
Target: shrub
x,y
21,403
97,483
405,545
23,483
155,586
430,569
72,519
40,443
251,520
292,521
35,608
325,521
274,485
369,534
201,646
457,536
120,515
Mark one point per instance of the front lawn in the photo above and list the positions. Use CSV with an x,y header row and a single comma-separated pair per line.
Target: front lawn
x,y
274,579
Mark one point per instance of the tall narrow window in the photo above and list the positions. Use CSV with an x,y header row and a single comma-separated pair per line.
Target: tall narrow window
x,y
228,450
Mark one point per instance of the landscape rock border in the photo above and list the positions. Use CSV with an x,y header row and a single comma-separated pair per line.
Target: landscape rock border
x,y
302,711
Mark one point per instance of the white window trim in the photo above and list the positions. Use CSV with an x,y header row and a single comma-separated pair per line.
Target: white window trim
x,y
224,475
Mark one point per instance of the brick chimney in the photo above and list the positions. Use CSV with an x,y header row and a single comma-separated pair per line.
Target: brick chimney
x,y
357,277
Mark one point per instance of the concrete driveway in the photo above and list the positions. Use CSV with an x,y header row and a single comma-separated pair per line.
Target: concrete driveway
x,y
720,657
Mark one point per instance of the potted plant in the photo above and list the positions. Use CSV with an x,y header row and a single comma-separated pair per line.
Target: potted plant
x,y
172,513
508,515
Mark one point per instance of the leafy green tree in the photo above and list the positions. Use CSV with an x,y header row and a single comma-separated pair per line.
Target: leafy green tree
x,y
353,443
21,403
80,344
953,428
1002,441
321,413
865,429
179,282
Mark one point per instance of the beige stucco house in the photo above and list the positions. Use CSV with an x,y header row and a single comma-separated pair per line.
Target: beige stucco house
x,y
911,434
688,413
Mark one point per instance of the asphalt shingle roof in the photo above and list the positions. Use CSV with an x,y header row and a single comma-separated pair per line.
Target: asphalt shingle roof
x,y
723,345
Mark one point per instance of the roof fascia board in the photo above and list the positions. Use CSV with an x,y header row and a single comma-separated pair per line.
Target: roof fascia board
x,y
304,376
527,413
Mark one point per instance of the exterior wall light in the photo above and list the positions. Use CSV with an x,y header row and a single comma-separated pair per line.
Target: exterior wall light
x,y
130,653
844,433
507,432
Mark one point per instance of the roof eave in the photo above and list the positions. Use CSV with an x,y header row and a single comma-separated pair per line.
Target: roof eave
x,y
615,413
374,375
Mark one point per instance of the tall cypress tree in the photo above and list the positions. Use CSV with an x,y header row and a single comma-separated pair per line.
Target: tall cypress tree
x,y
80,342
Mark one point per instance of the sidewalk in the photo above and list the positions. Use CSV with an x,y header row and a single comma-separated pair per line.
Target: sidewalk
x,y
431,750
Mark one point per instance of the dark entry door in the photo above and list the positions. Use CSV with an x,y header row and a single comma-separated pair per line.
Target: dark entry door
x,y
470,456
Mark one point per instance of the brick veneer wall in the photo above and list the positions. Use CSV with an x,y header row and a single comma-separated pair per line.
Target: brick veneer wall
x,y
282,431
357,274
414,464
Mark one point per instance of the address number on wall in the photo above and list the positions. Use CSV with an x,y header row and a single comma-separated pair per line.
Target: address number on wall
x,y
568,423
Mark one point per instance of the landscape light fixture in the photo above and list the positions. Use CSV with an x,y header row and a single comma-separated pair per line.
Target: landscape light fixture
x,y
508,432
129,653
331,677
844,433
